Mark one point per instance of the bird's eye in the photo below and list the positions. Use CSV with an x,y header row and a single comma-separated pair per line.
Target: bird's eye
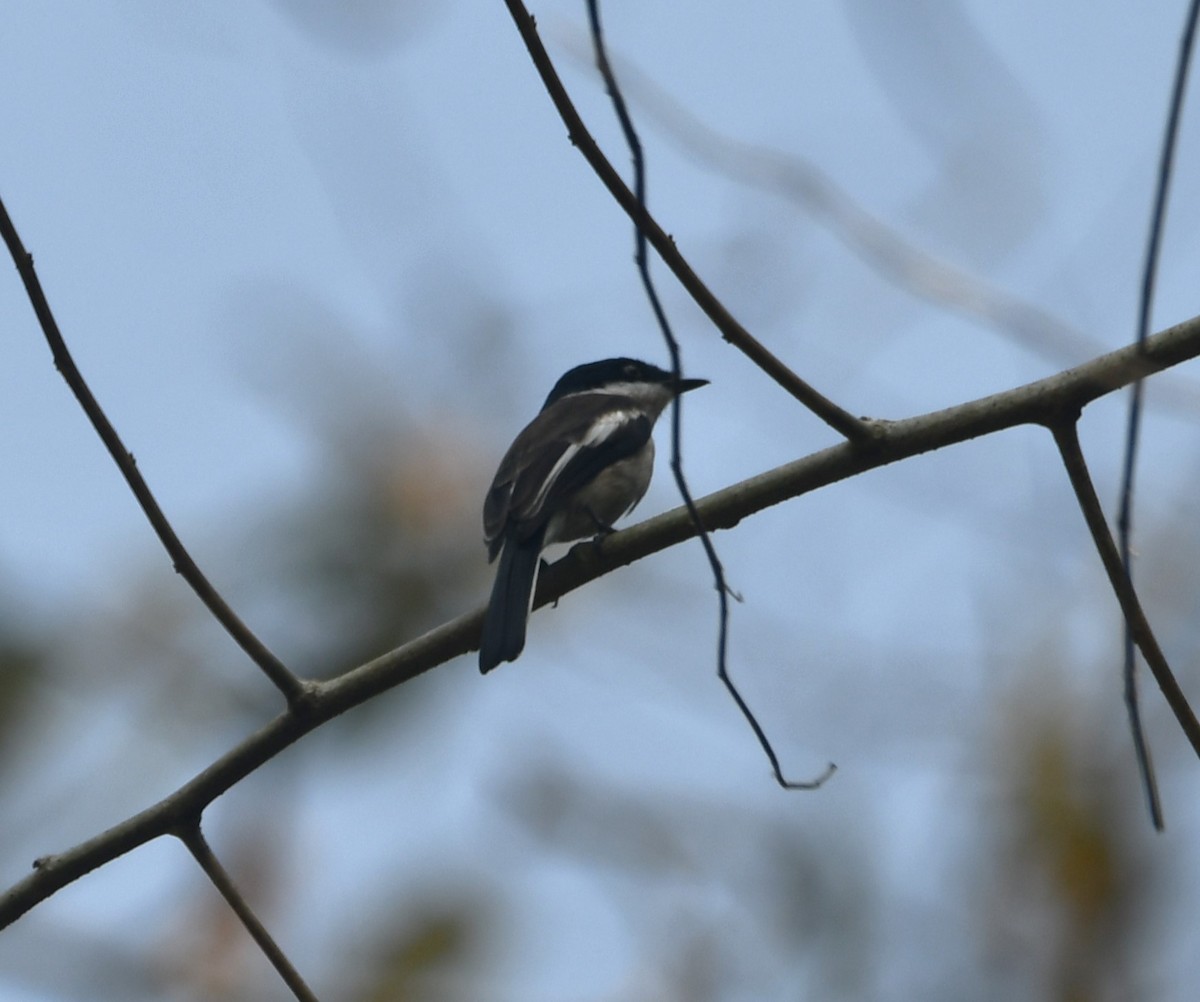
x,y
631,370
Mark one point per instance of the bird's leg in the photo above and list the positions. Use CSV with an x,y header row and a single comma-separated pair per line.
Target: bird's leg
x,y
603,529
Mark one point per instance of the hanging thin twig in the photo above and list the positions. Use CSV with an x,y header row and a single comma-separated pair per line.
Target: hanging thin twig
x,y
1132,433
660,315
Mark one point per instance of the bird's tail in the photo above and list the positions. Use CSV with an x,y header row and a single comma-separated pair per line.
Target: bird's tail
x,y
503,635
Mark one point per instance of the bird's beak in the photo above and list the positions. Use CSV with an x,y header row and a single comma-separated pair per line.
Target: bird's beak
x,y
683,385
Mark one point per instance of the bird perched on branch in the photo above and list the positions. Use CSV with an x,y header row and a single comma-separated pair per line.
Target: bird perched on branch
x,y
574,470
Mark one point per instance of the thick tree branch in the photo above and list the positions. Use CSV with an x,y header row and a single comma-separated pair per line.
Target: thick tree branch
x,y
1046,402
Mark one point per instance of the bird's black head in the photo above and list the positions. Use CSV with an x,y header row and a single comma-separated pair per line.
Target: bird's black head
x,y
612,373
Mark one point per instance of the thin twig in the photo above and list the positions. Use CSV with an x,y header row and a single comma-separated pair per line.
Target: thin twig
x,y
287,683
192,837
1133,429
660,315
889,253
1042,403
1067,438
841,420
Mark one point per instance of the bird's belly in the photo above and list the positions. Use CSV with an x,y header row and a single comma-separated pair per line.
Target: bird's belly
x,y
613,493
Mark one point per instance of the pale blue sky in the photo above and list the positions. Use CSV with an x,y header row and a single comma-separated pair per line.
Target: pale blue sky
x,y
214,193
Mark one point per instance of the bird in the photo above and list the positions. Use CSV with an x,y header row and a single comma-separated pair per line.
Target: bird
x,y
579,466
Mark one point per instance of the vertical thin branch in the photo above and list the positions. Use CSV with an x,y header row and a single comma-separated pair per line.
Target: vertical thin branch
x,y
1165,167
660,315
197,845
1133,429
1066,436
287,683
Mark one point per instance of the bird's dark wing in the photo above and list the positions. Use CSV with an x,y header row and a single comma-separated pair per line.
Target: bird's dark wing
x,y
558,453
